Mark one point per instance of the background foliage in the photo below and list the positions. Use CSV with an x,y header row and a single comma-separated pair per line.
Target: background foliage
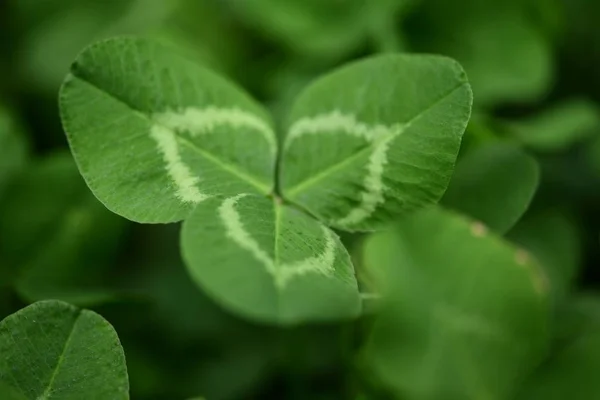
x,y
529,169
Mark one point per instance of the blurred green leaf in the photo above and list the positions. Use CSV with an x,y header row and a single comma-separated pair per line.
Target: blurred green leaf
x,y
57,239
158,274
571,372
323,29
14,149
53,39
54,350
235,373
558,127
466,314
494,184
506,58
592,155
555,241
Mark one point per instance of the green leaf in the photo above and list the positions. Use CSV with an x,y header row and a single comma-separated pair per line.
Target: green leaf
x,y
465,313
322,29
57,243
571,372
555,241
154,134
494,184
506,57
525,75
268,261
55,31
10,393
52,350
558,127
13,149
375,138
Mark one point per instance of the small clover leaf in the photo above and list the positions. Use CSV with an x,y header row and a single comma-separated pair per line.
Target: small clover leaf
x,y
154,133
494,184
269,260
52,350
375,138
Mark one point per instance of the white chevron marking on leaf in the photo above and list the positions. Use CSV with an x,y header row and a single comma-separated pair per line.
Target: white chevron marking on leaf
x,y
185,182
323,263
373,195
199,121
236,231
335,122
379,135
282,274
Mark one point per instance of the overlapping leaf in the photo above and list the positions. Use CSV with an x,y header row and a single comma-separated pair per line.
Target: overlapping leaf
x,y
154,134
558,127
269,261
494,184
504,53
465,314
52,350
555,240
375,138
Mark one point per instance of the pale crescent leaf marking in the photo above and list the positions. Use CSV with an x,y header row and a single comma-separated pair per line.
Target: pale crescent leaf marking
x,y
322,264
185,182
337,121
282,274
198,121
379,135
235,231
373,194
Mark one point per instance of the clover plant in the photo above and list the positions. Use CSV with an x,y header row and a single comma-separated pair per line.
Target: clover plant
x,y
161,139
299,199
